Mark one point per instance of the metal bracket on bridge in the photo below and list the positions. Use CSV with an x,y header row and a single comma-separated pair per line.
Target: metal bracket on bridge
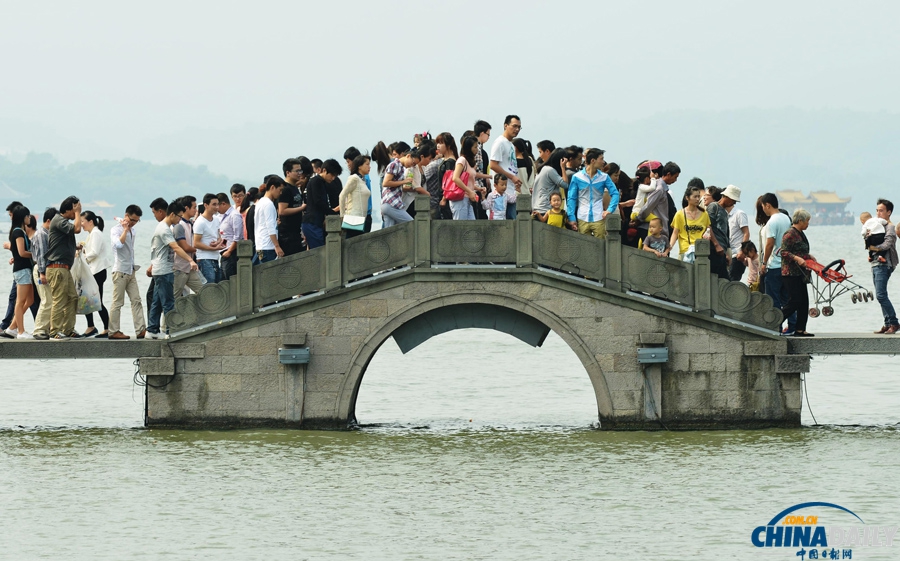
x,y
653,355
293,356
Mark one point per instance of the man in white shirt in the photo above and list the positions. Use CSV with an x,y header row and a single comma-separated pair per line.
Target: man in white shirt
x,y
265,223
232,229
207,240
503,161
123,277
738,228
770,271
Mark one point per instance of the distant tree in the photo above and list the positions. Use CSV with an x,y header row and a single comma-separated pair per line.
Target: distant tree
x,y
42,180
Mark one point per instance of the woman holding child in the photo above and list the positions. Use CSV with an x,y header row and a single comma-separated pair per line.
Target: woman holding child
x,y
550,179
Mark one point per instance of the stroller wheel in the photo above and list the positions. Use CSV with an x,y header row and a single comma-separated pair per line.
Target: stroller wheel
x,y
814,312
854,298
827,311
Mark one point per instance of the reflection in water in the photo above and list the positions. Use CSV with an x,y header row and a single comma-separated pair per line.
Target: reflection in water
x,y
395,492
473,446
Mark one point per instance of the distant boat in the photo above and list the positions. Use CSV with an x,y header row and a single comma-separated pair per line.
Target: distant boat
x,y
99,203
826,207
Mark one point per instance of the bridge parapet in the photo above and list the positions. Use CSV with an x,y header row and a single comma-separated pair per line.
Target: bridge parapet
x,y
523,243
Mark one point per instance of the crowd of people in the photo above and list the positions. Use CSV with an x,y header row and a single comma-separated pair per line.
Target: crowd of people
x,y
195,241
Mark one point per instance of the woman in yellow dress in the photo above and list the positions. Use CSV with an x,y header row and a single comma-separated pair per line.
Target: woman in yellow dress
x,y
689,224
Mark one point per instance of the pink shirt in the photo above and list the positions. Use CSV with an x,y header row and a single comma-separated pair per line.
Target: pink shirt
x,y
752,269
468,169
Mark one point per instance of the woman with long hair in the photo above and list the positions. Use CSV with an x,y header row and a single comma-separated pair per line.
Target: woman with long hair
x,y
381,154
20,246
446,147
762,220
354,198
247,206
99,256
689,224
527,169
551,179
462,209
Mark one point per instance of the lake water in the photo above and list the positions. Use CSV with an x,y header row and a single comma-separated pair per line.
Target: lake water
x,y
487,454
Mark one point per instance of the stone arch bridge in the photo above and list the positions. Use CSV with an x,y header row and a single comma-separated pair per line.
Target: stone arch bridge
x,y
287,343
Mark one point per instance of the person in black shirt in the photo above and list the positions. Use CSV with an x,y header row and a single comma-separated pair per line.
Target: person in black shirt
x,y
318,205
292,203
20,247
446,149
11,308
247,209
60,257
334,196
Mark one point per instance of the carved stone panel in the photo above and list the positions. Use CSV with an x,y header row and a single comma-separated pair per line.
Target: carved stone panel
x,y
569,251
658,276
212,303
378,251
471,241
734,300
300,273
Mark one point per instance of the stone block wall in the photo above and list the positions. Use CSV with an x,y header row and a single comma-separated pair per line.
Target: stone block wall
x,y
714,377
235,381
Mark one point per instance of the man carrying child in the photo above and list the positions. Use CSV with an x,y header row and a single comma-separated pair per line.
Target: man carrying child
x,y
873,235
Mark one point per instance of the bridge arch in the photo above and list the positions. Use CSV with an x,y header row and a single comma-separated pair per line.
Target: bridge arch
x,y
507,313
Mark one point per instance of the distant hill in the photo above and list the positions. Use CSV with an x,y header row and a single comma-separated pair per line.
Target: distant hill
x,y
759,150
104,186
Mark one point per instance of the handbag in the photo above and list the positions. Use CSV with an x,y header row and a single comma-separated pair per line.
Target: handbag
x,y
86,287
352,222
452,192
689,256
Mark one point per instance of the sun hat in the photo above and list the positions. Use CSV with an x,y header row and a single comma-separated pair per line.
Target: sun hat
x,y
732,193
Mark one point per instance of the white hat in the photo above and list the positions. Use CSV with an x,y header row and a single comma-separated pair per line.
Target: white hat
x,y
732,193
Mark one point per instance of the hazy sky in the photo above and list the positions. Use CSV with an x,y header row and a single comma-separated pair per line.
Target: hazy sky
x,y
115,73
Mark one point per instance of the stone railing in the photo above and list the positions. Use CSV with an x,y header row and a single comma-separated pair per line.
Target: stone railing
x,y
522,242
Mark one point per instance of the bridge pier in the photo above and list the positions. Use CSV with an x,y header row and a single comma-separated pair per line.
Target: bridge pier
x,y
714,378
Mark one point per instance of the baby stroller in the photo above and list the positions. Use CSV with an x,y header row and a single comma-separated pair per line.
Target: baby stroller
x,y
829,282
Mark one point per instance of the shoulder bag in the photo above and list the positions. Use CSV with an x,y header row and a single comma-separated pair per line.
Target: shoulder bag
x,y
689,255
452,192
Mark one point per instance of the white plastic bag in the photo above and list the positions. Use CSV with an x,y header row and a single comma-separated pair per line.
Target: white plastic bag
x,y
86,287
